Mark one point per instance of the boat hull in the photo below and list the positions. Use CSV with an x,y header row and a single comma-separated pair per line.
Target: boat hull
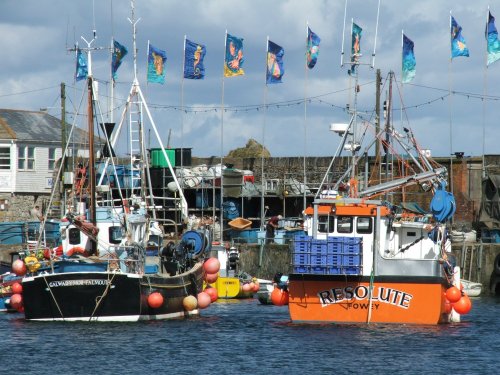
x,y
108,296
346,299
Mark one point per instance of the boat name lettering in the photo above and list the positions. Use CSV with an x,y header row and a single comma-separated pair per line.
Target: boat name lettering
x,y
382,294
54,284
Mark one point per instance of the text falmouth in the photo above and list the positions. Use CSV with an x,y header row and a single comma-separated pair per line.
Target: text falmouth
x,y
53,284
383,294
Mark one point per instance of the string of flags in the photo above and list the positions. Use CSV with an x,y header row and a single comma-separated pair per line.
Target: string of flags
x,y
194,54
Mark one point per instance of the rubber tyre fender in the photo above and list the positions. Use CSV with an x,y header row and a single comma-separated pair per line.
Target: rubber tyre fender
x,y
495,284
496,264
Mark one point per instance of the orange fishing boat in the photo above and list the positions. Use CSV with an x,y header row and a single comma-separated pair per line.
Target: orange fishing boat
x,y
366,259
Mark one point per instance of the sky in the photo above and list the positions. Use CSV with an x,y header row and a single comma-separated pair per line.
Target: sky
x,y
35,60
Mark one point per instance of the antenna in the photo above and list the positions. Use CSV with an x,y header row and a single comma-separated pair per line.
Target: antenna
x,y
134,23
376,32
343,37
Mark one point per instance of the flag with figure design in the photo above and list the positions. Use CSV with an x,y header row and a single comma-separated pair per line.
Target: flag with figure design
x,y
409,63
458,45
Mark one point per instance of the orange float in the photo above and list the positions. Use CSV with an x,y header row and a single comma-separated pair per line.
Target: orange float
x,y
212,292
155,300
211,277
211,265
19,267
453,294
279,297
463,305
204,300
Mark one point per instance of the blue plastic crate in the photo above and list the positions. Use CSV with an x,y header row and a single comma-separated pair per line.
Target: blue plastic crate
x,y
301,259
333,270
301,269
319,246
317,260
351,270
318,270
353,248
334,260
301,247
351,260
334,247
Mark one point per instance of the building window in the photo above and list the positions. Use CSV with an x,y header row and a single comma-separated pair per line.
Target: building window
x,y
4,157
52,158
26,158
364,225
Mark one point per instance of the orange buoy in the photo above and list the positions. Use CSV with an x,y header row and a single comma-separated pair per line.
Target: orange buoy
x,y
246,287
453,294
204,300
190,303
251,285
155,300
16,301
463,305
256,287
279,297
211,265
447,306
19,267
212,292
211,277
17,288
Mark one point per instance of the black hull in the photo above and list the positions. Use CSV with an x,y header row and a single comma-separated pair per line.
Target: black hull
x,y
108,296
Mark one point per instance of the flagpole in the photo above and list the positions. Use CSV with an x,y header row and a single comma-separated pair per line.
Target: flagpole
x,y
112,88
450,105
485,90
305,117
222,148
182,111
262,206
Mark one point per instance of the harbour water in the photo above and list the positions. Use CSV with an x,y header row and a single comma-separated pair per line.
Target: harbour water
x,y
245,337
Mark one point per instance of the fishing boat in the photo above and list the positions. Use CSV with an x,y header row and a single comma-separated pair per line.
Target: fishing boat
x,y
231,282
368,257
114,266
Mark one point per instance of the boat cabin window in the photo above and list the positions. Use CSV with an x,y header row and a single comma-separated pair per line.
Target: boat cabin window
x,y
115,235
344,224
326,223
364,225
74,236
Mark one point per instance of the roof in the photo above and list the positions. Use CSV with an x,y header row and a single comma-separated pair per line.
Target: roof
x,y
33,126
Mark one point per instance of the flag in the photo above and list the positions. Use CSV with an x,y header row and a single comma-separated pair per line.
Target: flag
x,y
156,65
194,54
355,47
409,62
119,53
234,57
493,44
275,69
312,51
458,46
81,65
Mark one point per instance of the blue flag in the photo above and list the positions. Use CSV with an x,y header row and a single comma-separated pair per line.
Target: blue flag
x,y
119,53
275,69
193,60
355,47
234,57
493,44
312,51
409,62
81,65
156,65
458,45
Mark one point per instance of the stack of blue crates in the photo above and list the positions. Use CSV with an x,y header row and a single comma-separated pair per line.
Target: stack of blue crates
x,y
333,256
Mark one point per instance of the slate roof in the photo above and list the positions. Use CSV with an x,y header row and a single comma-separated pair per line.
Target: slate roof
x,y
34,126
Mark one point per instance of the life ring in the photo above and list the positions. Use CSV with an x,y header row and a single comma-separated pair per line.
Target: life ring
x,y
75,250
496,265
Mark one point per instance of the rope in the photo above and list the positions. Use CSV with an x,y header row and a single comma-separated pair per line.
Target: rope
x,y
53,297
99,299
